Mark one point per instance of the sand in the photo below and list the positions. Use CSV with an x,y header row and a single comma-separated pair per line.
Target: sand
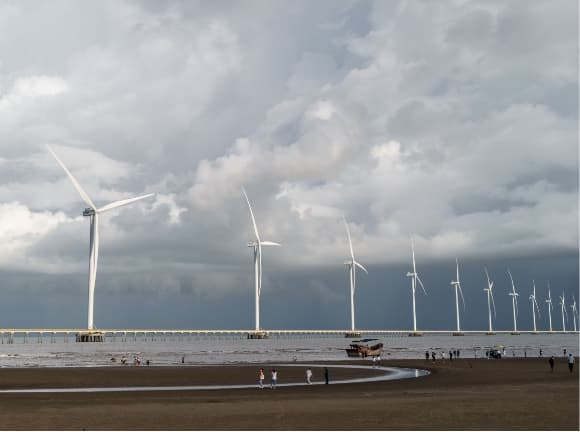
x,y
460,394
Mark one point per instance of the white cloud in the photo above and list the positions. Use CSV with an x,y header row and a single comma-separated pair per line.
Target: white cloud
x,y
449,120
20,229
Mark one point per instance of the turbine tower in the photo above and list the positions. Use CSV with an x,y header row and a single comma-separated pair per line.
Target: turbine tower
x,y
534,304
489,303
564,313
457,285
514,295
352,264
550,306
257,244
93,213
574,311
414,280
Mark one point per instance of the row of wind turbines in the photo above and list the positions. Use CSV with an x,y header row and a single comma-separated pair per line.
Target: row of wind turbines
x,y
257,243
352,265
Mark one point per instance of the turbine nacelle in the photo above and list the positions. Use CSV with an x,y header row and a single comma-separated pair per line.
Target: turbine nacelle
x,y
89,212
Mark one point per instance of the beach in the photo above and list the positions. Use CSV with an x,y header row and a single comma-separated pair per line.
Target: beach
x,y
511,393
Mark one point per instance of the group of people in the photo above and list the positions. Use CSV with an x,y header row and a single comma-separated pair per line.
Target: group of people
x,y
452,353
571,360
124,362
274,377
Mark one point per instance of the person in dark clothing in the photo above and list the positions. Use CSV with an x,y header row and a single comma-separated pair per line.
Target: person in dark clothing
x,y
426,355
325,375
450,355
551,361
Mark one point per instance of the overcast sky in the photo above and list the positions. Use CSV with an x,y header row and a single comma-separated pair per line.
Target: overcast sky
x,y
455,122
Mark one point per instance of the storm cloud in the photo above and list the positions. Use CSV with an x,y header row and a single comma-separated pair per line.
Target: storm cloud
x,y
452,122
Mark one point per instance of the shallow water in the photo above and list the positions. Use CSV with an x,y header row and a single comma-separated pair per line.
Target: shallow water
x,y
389,374
169,350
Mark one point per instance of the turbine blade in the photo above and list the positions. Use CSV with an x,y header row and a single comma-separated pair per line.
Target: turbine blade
x,y
269,243
492,303
512,279
353,270
489,284
74,181
349,239
457,269
259,268
421,283
413,253
356,263
251,214
461,294
122,203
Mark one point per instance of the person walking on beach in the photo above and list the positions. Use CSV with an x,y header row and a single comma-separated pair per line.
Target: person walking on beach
x,y
426,355
325,375
308,376
551,361
261,378
273,379
571,361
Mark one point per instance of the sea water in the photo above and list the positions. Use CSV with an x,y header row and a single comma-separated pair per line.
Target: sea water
x,y
230,349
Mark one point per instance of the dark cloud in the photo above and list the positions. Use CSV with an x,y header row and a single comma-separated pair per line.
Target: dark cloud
x,y
453,122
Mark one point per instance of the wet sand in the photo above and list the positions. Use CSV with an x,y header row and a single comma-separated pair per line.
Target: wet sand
x,y
460,394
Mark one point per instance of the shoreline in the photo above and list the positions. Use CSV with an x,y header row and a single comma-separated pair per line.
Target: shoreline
x,y
511,393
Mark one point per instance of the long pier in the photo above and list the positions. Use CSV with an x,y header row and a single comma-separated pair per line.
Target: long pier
x,y
7,334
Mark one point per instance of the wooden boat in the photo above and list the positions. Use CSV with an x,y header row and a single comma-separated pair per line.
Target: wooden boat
x,y
362,349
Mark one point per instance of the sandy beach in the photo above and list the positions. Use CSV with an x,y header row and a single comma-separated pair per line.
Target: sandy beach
x,y
460,394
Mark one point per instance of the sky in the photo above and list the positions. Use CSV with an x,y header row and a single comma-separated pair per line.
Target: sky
x,y
454,123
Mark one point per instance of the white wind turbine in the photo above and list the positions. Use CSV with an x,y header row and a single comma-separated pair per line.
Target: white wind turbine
x,y
257,245
489,291
550,306
457,285
352,264
564,313
534,304
574,311
93,213
514,295
414,279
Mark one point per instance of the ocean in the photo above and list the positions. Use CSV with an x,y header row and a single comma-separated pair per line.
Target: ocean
x,y
230,349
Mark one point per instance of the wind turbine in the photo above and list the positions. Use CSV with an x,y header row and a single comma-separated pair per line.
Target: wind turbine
x,y
257,245
574,311
457,285
514,295
414,279
352,264
564,313
93,213
534,304
550,306
489,304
